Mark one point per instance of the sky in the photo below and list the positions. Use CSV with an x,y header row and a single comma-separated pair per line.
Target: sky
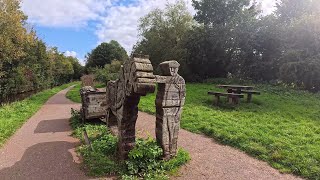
x,y
78,26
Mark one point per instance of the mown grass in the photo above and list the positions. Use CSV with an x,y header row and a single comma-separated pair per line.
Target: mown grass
x,y
281,126
14,115
100,159
74,93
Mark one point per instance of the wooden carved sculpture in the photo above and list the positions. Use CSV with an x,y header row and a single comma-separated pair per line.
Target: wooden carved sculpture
x,y
169,103
123,95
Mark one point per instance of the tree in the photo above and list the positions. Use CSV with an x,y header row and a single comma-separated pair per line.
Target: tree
x,y
224,38
77,68
300,35
105,53
162,33
26,64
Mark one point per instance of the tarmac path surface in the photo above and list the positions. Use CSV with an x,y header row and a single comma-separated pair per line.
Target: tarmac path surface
x,y
44,149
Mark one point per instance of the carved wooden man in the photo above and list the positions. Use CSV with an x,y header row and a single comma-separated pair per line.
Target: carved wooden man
x,y
169,103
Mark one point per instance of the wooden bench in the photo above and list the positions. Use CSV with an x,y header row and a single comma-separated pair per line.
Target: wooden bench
x,y
232,97
248,92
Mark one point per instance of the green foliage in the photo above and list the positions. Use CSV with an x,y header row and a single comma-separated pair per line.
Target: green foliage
x,y
162,33
144,158
232,37
281,126
109,72
105,53
14,115
26,64
74,93
144,161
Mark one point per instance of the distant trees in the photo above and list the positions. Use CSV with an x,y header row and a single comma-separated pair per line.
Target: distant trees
x,y
163,33
26,63
105,53
231,36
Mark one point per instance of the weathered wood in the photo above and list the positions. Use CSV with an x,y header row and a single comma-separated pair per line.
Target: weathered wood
x,y
146,80
169,104
231,97
94,103
143,67
226,94
142,60
140,74
136,79
236,87
248,92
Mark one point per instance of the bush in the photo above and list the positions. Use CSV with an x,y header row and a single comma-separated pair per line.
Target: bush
x,y
305,74
109,72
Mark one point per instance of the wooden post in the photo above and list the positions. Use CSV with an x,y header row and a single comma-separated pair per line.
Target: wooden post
x,y
230,99
235,100
249,98
217,100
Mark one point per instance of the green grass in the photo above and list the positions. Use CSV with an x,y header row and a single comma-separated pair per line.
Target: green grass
x,y
100,159
281,126
14,115
74,93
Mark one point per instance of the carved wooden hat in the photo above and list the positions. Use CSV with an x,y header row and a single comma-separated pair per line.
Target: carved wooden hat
x,y
165,67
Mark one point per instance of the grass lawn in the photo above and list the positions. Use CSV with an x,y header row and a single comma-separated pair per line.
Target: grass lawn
x,y
74,93
281,126
14,115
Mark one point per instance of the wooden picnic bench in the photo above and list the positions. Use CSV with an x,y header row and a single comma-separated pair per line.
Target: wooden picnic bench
x,y
239,89
248,92
232,97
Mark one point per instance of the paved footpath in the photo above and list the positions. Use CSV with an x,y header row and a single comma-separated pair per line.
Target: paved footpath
x,y
43,149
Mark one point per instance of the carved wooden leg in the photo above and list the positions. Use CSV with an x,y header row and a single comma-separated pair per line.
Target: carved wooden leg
x,y
127,125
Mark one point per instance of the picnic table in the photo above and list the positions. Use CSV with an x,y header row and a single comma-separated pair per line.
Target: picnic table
x,y
234,93
240,89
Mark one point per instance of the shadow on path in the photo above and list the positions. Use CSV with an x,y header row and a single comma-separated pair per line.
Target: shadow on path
x,y
53,126
43,161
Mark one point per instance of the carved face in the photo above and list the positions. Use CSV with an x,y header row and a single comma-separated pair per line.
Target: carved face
x,y
174,71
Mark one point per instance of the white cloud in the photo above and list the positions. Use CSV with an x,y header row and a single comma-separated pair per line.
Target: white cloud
x,y
116,19
70,53
75,55
121,22
268,6
64,13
